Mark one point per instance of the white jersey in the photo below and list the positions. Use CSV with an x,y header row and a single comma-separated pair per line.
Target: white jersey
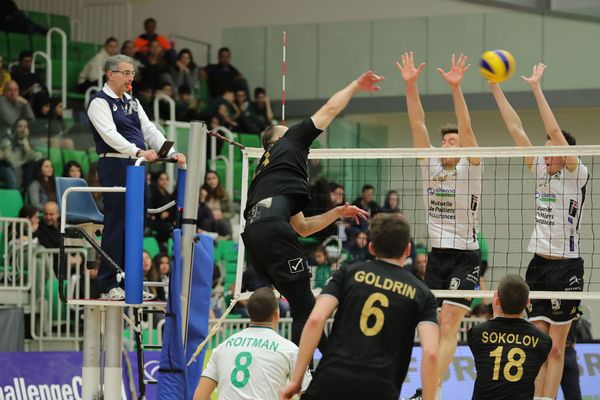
x,y
558,202
451,201
255,363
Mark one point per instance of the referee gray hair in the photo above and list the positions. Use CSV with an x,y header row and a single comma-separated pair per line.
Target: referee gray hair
x,y
112,63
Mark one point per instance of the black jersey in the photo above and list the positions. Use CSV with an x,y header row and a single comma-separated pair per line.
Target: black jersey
x,y
283,169
508,354
371,341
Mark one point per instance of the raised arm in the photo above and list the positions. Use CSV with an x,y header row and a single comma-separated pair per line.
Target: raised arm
x,y
550,124
365,83
307,226
454,78
512,121
416,115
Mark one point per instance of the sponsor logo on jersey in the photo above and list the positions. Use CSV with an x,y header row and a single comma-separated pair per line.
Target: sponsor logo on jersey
x,y
441,192
573,208
546,197
296,265
555,303
454,284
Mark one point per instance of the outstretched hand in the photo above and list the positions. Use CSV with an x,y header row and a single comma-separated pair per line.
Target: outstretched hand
x,y
366,82
406,65
536,75
457,70
348,211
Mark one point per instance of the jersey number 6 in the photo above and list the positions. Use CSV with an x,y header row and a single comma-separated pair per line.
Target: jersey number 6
x,y
370,309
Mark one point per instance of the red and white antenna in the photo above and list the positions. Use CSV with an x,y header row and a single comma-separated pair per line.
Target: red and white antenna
x,y
283,71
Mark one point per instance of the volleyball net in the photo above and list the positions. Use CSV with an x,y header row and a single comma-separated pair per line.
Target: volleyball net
x,y
506,211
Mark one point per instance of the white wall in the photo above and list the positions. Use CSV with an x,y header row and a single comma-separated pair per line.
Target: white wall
x,y
205,20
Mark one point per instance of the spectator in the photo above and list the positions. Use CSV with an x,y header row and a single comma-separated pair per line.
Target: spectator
x,y
358,248
20,155
366,202
150,275
42,189
49,122
336,192
420,264
143,42
162,265
18,242
225,109
392,202
49,230
320,202
72,169
144,95
94,181
128,49
223,75
162,223
184,105
14,20
92,72
245,121
164,110
154,69
260,109
218,200
185,72
323,271
7,173
12,107
29,83
4,75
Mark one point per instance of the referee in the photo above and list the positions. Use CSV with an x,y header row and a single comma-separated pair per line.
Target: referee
x,y
121,130
278,194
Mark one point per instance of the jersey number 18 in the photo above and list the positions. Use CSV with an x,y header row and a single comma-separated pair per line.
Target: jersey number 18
x,y
510,365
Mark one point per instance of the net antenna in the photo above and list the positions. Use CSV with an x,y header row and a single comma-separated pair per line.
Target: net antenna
x,y
283,72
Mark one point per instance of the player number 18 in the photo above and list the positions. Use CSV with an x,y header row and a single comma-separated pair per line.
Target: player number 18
x,y
510,365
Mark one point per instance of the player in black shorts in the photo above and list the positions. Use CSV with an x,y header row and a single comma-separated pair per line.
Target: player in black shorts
x,y
278,194
379,305
508,350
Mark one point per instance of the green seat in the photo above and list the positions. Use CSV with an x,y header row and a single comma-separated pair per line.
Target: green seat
x,y
51,294
226,250
250,140
38,43
182,138
4,48
11,203
237,154
62,22
56,158
151,246
17,42
40,18
83,51
93,157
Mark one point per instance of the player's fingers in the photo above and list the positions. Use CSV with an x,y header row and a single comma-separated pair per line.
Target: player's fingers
x,y
421,67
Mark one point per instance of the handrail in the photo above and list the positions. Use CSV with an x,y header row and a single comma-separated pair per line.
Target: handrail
x,y
230,162
47,55
170,131
200,42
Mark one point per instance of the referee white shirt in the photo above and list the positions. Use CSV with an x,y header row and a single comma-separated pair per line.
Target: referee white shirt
x,y
100,116
254,364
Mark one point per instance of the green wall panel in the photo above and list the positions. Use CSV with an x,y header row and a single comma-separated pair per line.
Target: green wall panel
x,y
248,52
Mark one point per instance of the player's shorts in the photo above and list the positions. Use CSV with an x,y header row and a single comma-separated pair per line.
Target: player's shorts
x,y
564,275
453,269
273,249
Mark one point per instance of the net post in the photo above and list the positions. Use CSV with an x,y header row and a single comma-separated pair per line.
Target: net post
x,y
195,174
243,201
90,373
113,374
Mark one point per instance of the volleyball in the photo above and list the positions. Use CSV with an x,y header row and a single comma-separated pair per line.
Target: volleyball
x,y
497,65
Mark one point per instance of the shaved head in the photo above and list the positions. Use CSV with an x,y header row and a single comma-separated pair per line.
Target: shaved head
x,y
272,134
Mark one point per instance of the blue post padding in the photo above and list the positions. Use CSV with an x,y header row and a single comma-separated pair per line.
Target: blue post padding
x,y
172,375
180,187
134,233
199,306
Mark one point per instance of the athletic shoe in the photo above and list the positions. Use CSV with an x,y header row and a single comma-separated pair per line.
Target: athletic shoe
x,y
418,395
114,294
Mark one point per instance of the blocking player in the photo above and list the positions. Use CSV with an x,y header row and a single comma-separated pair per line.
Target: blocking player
x,y
561,185
508,350
254,363
379,305
278,194
452,192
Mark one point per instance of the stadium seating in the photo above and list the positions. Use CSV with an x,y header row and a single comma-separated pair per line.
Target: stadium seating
x,y
11,203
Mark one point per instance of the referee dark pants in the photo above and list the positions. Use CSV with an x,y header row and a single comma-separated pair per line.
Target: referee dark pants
x,y
570,378
112,172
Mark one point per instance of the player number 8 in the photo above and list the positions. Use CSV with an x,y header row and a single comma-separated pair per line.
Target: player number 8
x,y
370,309
242,362
512,363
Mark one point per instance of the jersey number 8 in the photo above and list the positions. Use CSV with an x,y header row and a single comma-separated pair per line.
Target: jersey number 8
x,y
242,362
510,365
370,309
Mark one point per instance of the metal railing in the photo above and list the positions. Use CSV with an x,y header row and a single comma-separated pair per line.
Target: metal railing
x,y
52,320
15,261
47,56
